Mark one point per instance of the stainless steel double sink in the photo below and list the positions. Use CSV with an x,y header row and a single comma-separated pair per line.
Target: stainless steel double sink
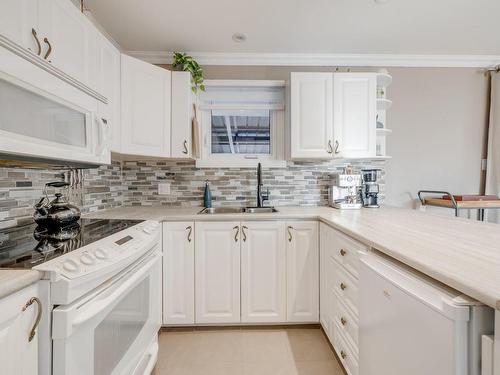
x,y
237,210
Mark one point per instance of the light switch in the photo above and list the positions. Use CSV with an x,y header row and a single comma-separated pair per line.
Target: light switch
x,y
164,188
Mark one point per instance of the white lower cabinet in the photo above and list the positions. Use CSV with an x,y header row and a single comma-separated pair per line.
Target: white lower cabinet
x,y
263,272
178,273
18,319
217,270
302,253
339,294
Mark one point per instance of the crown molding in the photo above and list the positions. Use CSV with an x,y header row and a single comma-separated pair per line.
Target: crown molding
x,y
320,59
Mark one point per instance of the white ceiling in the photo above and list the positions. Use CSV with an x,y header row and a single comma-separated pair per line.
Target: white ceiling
x,y
425,27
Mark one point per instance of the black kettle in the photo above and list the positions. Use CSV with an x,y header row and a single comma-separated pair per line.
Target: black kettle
x,y
57,212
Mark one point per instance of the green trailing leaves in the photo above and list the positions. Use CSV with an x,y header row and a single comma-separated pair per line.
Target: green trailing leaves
x,y
186,63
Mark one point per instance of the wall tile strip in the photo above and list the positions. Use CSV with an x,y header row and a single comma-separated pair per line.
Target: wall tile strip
x,y
132,183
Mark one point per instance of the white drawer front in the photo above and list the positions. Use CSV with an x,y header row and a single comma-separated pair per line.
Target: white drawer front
x,y
346,321
345,285
345,352
346,251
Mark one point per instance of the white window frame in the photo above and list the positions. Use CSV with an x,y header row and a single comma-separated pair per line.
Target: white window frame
x,y
277,119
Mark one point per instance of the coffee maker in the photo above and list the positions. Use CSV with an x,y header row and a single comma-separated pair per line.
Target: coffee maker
x,y
370,189
344,191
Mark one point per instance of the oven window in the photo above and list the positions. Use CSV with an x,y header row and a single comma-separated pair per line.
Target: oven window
x,y
118,331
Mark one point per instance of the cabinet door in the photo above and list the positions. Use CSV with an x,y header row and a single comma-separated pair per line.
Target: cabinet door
x,y
145,108
311,115
263,272
108,73
178,273
217,272
182,114
17,19
302,271
72,38
19,355
355,114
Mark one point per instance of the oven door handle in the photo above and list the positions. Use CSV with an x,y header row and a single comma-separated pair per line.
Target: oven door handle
x,y
94,308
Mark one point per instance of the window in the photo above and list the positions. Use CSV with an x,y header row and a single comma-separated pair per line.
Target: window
x,y
242,124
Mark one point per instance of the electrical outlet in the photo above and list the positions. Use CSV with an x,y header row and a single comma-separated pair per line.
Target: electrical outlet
x,y
163,188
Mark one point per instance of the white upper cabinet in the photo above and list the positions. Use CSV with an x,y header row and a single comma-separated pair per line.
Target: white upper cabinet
x,y
183,100
68,40
355,114
178,273
17,20
145,103
263,272
311,116
302,271
217,270
108,79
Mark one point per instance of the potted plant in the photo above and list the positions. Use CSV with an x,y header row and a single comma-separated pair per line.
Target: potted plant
x,y
186,63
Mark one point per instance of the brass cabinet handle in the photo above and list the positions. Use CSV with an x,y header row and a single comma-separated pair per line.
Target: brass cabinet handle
x,y
38,45
330,148
343,354
343,286
38,315
289,229
185,147
337,146
244,234
236,234
343,321
190,229
343,252
49,50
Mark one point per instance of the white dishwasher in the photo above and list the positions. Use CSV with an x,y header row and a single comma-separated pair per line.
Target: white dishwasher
x,y
410,324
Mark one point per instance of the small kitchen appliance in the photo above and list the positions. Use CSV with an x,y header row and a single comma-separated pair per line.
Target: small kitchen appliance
x,y
344,191
57,212
370,189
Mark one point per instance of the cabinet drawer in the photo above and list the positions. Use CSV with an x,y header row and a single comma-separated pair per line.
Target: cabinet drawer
x,y
346,251
344,351
345,320
345,285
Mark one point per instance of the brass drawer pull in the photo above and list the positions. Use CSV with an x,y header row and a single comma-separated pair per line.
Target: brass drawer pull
x,y
237,228
31,301
289,229
343,252
337,145
49,50
244,234
330,148
190,229
38,45
343,321
185,144
343,286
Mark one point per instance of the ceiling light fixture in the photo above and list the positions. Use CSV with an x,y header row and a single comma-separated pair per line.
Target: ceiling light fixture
x,y
239,37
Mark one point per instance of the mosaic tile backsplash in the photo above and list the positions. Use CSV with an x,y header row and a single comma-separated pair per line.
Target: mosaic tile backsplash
x,y
136,183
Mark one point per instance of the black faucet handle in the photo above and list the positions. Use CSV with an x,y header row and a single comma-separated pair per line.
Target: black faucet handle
x,y
265,196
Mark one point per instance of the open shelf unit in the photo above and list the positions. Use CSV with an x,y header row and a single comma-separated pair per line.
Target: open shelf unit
x,y
384,79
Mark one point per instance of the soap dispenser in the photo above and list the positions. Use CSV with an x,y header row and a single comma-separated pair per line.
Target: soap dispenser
x,y
207,196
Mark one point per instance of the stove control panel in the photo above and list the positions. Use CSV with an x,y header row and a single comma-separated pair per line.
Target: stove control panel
x,y
106,252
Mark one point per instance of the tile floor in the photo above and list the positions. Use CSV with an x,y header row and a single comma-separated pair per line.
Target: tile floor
x,y
246,351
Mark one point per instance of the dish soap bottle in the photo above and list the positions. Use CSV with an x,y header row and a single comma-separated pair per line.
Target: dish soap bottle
x,y
207,196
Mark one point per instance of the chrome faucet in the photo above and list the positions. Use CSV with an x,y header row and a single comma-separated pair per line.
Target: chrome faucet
x,y
261,197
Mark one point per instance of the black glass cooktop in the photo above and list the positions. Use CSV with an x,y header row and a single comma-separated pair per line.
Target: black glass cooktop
x,y
29,245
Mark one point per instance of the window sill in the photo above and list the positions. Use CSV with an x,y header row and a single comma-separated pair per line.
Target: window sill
x,y
251,163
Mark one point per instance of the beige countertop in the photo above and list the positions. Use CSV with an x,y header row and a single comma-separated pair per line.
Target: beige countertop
x,y
13,280
461,253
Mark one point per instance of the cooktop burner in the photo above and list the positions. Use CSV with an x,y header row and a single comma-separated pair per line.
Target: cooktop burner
x,y
29,245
